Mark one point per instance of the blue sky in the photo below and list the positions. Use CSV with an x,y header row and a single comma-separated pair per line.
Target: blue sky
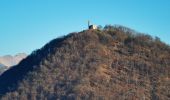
x,y
26,25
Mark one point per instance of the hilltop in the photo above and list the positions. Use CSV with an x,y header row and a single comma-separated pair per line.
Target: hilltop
x,y
114,63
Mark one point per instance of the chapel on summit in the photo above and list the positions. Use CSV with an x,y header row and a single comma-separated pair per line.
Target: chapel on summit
x,y
91,26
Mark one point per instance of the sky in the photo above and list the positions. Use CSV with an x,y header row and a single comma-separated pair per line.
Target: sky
x,y
27,25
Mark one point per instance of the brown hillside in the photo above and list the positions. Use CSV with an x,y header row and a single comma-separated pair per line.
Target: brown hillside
x,y
115,63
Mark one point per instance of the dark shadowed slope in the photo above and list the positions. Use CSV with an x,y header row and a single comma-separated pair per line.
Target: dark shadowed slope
x,y
10,78
115,63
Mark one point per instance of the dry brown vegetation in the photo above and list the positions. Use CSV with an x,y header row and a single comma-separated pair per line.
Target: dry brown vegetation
x,y
114,63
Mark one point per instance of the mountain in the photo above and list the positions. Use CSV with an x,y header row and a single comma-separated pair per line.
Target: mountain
x,y
1,65
114,63
2,68
9,60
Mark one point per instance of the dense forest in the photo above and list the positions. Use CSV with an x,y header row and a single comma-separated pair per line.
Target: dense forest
x,y
110,63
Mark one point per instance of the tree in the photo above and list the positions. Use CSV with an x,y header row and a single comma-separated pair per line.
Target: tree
x,y
100,27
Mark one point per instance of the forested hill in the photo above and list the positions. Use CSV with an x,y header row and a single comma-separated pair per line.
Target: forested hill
x,y
114,63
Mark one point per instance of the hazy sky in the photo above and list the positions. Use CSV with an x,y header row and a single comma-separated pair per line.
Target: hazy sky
x,y
26,25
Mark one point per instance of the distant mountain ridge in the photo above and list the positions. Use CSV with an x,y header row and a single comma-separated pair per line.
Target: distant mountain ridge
x,y
1,65
9,60
2,68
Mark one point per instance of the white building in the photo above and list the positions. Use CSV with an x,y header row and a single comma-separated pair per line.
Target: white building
x,y
91,26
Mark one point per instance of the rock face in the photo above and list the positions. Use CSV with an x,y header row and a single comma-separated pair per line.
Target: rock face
x,y
111,64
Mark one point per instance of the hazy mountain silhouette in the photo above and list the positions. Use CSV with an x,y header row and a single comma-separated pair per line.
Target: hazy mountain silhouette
x,y
2,68
114,63
8,61
1,65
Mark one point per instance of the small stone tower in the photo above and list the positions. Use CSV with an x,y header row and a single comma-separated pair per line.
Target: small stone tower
x,y
91,26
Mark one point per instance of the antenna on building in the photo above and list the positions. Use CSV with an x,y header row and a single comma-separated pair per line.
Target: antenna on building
x,y
91,26
88,24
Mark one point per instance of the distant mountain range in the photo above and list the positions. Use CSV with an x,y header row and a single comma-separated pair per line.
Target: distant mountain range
x,y
7,61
